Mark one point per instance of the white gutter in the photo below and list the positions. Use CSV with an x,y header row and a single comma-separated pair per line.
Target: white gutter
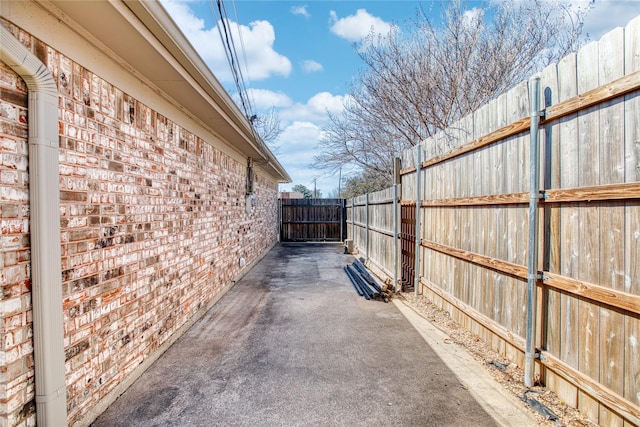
x,y
44,197
157,20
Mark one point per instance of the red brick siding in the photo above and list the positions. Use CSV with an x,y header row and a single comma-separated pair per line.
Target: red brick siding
x,y
153,225
16,348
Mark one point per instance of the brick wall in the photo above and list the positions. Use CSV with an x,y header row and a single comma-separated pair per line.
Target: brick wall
x,y
16,348
153,226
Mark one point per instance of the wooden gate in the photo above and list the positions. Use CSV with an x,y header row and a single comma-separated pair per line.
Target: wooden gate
x,y
408,245
312,220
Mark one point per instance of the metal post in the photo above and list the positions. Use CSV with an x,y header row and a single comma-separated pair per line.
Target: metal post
x,y
343,218
279,220
366,222
416,280
395,237
532,259
353,220
397,165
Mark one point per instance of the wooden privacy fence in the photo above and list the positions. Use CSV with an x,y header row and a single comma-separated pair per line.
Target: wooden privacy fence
x,y
476,254
312,220
371,224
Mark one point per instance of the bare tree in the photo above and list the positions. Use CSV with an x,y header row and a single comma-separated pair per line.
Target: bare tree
x,y
268,127
417,83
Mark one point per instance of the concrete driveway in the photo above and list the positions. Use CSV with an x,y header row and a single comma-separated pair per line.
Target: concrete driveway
x,y
293,345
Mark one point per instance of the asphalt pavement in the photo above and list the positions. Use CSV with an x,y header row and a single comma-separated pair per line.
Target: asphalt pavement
x,y
292,344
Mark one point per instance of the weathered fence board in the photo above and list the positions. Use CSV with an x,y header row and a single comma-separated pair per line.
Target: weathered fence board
x,y
312,220
611,129
371,226
569,232
587,244
632,215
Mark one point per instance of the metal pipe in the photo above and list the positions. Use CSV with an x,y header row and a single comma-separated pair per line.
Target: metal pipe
x,y
416,280
395,237
353,281
366,221
532,259
342,215
44,196
279,220
362,271
369,293
353,220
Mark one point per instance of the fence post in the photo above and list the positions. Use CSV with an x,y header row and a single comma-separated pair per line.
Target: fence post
x,y
416,280
279,220
532,259
366,222
353,221
395,237
343,218
396,181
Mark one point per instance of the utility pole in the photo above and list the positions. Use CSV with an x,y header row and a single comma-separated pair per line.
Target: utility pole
x,y
340,183
314,189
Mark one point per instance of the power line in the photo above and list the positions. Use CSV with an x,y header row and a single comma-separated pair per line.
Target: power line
x,y
244,53
228,43
229,46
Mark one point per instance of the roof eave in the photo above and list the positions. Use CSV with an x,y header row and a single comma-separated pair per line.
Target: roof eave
x,y
149,41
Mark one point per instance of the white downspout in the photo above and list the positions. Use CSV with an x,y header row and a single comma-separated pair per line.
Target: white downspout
x,y
44,196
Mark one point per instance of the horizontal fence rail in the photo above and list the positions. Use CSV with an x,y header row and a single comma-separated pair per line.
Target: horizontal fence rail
x,y
370,223
312,220
472,203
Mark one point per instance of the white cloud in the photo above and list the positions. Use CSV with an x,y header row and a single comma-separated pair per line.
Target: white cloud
x,y
299,138
298,142
311,66
607,15
264,99
315,109
262,61
300,10
301,133
357,27
472,17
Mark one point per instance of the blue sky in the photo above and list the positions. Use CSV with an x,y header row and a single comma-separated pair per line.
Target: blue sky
x,y
298,58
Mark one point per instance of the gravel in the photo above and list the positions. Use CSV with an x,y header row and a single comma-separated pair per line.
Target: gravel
x,y
506,373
